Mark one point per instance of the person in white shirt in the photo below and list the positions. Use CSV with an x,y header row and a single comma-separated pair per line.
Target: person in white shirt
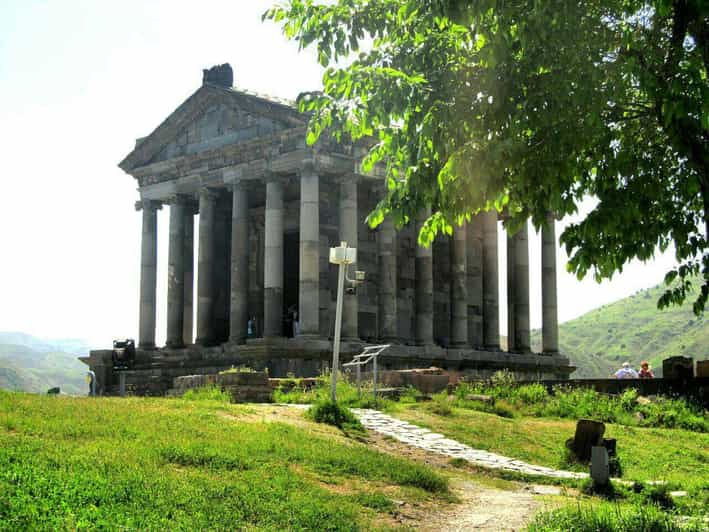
x,y
626,372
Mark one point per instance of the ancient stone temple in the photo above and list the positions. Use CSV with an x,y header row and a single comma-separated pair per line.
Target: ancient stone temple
x,y
270,207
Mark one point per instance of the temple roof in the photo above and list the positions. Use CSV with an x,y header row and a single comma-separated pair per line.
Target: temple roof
x,y
275,113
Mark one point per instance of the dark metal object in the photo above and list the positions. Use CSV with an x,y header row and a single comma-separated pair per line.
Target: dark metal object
x,y
123,355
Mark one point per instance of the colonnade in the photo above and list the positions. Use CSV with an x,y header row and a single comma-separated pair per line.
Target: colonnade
x,y
474,294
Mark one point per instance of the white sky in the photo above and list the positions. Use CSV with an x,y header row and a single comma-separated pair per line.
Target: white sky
x,y
80,80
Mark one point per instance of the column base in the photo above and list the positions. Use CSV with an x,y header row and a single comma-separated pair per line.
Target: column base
x,y
459,345
202,342
390,340
147,347
238,340
175,345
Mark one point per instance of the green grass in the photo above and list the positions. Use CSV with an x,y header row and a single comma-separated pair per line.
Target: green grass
x,y
631,329
645,453
606,516
510,400
347,394
142,463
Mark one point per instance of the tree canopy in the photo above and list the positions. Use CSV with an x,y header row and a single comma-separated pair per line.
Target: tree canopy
x,y
527,107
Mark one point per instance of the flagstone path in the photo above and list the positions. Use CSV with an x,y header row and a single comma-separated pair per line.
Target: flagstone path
x,y
416,436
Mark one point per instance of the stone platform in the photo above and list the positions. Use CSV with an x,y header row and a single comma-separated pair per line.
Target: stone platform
x,y
154,370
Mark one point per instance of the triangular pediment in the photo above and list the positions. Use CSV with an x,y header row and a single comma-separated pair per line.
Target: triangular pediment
x,y
211,118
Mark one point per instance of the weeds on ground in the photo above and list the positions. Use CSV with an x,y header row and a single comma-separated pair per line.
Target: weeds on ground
x,y
334,414
576,403
207,393
613,516
347,394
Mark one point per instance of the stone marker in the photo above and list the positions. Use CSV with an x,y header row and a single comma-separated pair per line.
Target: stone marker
x,y
600,469
588,434
678,367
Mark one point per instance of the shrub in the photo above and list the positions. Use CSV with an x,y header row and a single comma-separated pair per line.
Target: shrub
x,y
532,393
334,414
503,378
207,393
628,399
504,409
441,405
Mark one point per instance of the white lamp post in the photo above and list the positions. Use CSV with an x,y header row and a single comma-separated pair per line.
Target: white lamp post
x,y
342,256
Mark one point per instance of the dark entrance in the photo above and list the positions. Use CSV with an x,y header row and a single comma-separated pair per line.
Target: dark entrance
x,y
291,276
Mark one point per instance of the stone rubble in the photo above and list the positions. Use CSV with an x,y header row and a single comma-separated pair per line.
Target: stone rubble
x,y
416,436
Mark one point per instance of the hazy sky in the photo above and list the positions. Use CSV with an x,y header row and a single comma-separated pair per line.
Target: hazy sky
x,y
80,80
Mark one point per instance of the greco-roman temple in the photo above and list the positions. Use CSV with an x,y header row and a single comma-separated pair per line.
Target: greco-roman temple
x,y
270,207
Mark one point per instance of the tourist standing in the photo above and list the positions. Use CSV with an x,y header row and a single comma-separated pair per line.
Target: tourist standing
x,y
626,372
645,371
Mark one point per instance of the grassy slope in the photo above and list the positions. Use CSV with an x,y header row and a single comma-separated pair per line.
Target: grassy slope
x,y
632,329
143,463
33,365
646,454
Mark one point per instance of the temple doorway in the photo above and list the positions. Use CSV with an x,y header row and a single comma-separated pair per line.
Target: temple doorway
x,y
291,277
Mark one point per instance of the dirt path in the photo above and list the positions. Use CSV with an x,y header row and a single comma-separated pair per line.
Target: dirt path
x,y
483,508
479,506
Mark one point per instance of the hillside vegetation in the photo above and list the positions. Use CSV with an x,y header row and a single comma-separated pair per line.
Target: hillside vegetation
x,y
632,329
71,463
33,365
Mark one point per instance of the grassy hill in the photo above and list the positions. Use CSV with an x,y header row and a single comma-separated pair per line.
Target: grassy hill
x,y
632,329
33,365
168,464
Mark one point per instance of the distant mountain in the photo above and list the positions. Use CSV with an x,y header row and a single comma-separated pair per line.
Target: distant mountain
x,y
632,329
32,364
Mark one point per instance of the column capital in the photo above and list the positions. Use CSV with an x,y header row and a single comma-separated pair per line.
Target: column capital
x,y
207,194
148,204
272,177
179,199
308,166
239,184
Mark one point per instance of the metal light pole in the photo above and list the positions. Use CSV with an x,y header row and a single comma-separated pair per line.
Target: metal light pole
x,y
342,256
338,329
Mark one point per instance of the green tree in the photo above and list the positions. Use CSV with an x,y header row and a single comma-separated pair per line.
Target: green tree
x,y
528,107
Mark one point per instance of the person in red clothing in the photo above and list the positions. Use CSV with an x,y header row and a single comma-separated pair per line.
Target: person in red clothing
x,y
645,372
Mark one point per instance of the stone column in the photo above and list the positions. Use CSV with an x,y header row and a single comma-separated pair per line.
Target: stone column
x,y
459,289
474,266
518,291
388,319
189,275
148,273
491,323
522,331
309,279
176,275
511,295
205,268
348,233
239,301
424,286
550,323
273,260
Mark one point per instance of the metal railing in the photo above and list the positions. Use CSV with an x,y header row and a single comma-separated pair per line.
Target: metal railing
x,y
370,353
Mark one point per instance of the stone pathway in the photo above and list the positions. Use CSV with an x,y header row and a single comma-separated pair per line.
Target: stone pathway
x,y
416,436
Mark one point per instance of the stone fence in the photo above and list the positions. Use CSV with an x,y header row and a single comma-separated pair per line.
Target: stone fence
x,y
243,386
696,388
